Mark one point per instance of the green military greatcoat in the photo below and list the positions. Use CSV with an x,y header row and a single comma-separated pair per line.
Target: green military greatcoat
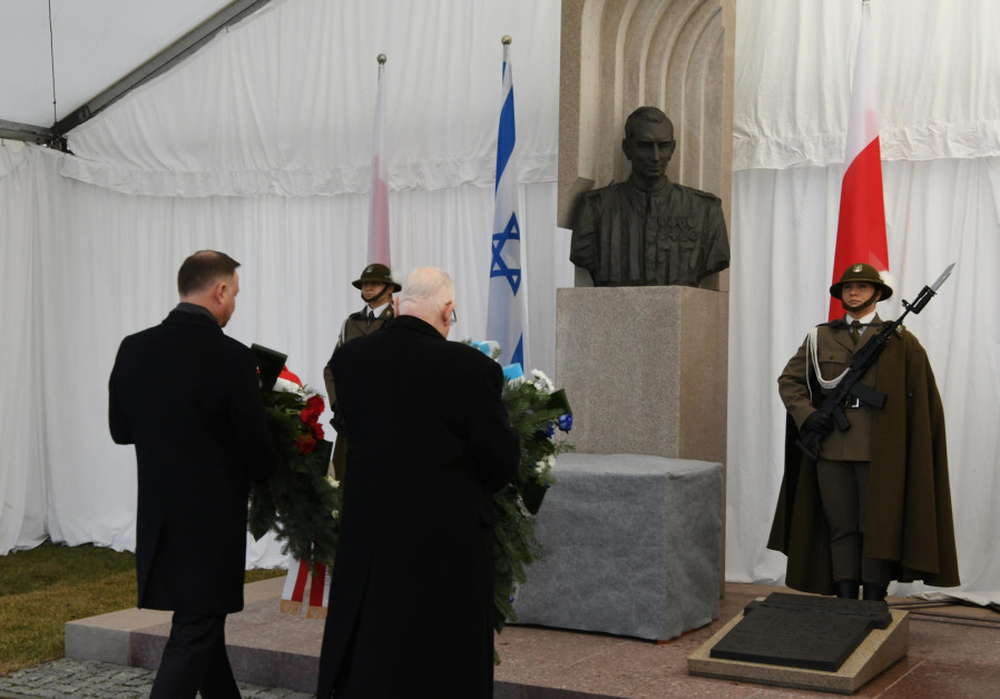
x,y
909,519
355,325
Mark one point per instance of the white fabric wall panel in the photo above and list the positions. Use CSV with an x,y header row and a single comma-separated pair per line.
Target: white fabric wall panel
x,y
110,261
939,111
22,418
260,145
938,68
938,212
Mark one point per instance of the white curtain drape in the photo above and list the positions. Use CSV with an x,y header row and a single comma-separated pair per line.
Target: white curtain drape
x,y
109,262
940,116
938,67
22,428
259,145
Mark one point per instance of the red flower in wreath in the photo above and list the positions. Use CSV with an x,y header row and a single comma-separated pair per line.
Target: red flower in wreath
x,y
317,430
305,444
314,408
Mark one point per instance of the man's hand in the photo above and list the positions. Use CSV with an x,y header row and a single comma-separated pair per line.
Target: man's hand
x,y
818,422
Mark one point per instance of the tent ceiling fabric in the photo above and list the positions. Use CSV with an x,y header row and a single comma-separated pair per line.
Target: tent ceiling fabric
x,y
281,103
96,43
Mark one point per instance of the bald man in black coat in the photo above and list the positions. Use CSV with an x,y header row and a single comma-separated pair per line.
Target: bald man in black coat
x,y
411,600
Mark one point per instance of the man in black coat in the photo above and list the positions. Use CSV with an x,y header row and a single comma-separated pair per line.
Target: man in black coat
x,y
411,599
187,397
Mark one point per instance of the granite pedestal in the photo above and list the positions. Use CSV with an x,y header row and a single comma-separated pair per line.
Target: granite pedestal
x,y
631,547
645,369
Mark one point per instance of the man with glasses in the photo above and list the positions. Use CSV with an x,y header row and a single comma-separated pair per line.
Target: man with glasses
x,y
430,445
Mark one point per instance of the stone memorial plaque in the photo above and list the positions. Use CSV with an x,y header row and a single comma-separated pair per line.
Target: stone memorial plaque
x,y
815,633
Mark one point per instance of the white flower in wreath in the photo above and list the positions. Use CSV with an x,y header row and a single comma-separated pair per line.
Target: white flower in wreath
x,y
514,383
545,464
541,381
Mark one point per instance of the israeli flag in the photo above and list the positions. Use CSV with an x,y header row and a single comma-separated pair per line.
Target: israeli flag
x,y
505,314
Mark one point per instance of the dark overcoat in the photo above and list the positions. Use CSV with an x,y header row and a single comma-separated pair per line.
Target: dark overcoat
x,y
909,518
186,396
411,599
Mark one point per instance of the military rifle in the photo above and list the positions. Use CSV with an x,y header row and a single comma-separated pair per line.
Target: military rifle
x,y
850,389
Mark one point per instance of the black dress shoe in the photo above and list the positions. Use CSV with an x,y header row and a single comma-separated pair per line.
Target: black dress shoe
x,y
875,592
847,589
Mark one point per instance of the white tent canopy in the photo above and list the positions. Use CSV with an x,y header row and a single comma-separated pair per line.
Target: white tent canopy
x,y
92,45
258,144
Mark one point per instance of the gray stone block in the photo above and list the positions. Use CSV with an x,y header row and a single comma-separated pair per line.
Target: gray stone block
x,y
645,369
105,637
96,643
632,546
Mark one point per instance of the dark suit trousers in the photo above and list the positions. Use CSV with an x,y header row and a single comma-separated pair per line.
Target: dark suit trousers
x,y
843,489
195,660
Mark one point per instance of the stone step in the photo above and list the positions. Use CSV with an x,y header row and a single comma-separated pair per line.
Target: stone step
x,y
266,647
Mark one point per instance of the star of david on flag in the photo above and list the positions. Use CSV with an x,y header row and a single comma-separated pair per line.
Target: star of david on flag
x,y
499,266
505,316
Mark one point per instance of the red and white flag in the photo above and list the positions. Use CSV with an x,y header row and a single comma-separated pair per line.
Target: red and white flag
x,y
861,226
378,214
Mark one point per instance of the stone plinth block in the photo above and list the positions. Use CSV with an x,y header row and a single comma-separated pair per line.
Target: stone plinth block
x,y
631,544
645,369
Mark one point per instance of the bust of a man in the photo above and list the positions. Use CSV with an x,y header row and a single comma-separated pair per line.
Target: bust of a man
x,y
648,230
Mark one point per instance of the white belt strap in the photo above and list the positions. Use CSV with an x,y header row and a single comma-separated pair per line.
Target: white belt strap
x,y
825,383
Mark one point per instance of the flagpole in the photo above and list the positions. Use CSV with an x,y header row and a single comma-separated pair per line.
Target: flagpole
x,y
861,226
378,212
505,313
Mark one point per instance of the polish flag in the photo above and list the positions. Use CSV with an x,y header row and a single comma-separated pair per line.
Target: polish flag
x,y
861,226
378,214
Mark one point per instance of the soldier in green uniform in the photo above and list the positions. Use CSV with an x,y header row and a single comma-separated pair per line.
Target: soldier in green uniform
x,y
876,505
377,287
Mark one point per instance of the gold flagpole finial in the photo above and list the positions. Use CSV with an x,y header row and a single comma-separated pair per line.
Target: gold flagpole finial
x,y
505,40
381,58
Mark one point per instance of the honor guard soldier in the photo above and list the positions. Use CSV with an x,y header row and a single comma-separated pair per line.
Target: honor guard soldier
x,y
872,504
377,287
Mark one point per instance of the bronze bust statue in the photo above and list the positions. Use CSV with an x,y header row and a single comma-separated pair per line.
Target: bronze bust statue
x,y
648,230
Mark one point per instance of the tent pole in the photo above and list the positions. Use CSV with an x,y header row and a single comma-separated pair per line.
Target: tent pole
x,y
158,64
16,131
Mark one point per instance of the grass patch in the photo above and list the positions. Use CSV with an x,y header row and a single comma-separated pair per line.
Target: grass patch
x,y
42,589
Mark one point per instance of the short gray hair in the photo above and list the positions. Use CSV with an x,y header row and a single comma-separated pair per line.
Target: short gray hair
x,y
427,287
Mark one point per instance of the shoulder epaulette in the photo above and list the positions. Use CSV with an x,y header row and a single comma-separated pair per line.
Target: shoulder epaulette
x,y
699,192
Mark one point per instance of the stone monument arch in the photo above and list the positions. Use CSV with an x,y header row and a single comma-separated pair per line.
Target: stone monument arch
x,y
621,54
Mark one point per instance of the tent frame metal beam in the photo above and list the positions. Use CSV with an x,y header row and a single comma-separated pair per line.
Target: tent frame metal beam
x,y
16,131
158,64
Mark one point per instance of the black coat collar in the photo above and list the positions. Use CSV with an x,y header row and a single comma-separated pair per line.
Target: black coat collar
x,y
176,317
414,324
